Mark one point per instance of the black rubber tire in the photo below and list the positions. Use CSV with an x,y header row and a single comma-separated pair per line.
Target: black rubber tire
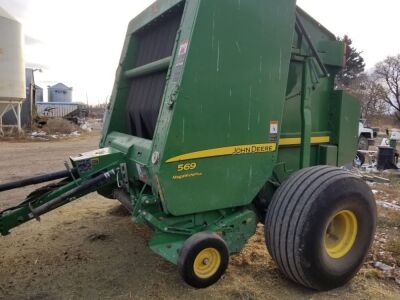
x,y
191,248
297,219
363,143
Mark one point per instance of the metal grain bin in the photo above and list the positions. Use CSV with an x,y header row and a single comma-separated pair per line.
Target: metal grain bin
x,y
12,70
60,93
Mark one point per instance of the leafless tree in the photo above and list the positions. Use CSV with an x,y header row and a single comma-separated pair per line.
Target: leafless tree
x,y
388,75
371,95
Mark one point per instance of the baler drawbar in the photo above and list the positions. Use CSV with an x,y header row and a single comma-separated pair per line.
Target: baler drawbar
x,y
225,114
50,197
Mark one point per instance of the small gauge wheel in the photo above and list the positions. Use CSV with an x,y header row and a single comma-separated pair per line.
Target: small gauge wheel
x,y
203,259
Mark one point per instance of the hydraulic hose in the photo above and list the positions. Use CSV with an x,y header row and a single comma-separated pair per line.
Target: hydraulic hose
x,y
82,188
35,180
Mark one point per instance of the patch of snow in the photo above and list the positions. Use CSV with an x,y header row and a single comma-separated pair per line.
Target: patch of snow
x,y
75,133
383,267
388,205
38,133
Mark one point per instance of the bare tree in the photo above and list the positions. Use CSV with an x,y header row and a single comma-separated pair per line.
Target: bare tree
x,y
370,94
388,74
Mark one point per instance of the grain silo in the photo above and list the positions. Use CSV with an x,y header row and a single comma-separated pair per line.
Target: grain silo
x,y
28,104
60,93
12,67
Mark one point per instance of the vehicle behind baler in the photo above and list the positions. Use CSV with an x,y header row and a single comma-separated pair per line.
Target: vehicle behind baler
x,y
224,114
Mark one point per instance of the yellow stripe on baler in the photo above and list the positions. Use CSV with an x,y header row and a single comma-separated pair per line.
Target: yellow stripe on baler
x,y
224,151
245,149
297,140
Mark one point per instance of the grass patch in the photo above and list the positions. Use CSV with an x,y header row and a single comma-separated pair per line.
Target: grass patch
x,y
388,218
59,126
394,247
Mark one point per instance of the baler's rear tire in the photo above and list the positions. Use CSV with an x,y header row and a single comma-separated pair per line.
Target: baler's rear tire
x,y
203,259
320,226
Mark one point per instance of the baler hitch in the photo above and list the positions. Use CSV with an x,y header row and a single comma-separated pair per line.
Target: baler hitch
x,y
82,188
50,197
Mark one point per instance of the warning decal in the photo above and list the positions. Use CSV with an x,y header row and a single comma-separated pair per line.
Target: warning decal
x,y
273,131
180,60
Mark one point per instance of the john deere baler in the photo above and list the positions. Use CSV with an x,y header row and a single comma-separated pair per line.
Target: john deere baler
x,y
225,114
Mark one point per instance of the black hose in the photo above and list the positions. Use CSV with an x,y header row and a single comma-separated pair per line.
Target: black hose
x,y
35,180
67,196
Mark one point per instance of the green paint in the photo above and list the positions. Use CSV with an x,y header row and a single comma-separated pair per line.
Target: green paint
x,y
306,116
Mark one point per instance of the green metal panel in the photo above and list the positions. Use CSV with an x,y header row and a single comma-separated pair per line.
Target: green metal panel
x,y
316,31
345,110
332,52
327,155
233,86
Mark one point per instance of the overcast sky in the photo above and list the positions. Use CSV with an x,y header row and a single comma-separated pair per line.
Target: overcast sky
x,y
78,42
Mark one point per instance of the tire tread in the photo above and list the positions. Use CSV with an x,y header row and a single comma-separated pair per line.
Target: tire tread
x,y
290,205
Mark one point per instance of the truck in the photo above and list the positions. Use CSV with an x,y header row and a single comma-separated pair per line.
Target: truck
x,y
366,135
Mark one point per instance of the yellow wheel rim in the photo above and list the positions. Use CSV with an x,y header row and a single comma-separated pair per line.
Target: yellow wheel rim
x,y
341,234
207,263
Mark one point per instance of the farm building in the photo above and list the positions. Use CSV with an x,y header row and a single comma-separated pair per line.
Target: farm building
x,y
59,93
71,111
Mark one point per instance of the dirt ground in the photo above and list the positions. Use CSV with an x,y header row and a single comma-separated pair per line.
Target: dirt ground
x,y
91,250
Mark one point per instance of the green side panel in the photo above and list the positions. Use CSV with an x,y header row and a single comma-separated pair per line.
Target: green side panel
x,y
290,158
332,52
345,115
316,31
327,155
291,122
233,86
320,103
167,245
235,228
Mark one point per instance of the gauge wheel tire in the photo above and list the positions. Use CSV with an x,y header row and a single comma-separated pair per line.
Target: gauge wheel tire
x,y
363,143
203,259
320,226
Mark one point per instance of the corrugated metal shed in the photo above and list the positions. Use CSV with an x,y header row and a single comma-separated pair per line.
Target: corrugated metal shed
x,y
57,109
